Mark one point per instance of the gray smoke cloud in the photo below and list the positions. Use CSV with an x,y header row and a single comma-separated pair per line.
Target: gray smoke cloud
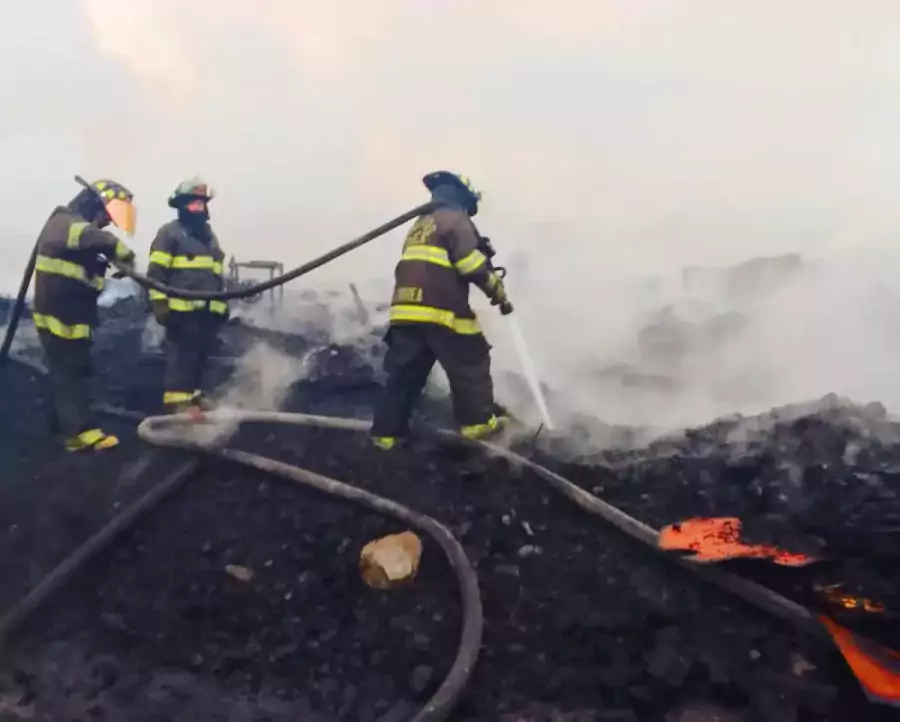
x,y
614,141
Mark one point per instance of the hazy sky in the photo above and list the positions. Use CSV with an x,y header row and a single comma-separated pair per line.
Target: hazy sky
x,y
608,136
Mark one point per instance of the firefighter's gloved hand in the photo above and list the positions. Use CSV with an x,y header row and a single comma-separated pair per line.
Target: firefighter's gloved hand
x,y
160,311
128,263
499,298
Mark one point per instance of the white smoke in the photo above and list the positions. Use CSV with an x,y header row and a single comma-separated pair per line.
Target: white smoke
x,y
615,142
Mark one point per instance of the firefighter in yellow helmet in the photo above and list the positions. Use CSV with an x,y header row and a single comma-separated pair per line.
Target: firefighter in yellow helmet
x,y
431,320
186,254
72,254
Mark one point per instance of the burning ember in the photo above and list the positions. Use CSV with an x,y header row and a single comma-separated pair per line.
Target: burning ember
x,y
833,595
719,539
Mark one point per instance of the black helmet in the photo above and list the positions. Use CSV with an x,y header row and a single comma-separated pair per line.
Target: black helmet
x,y
470,196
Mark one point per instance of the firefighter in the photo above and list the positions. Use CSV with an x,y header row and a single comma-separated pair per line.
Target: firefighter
x,y
72,254
431,320
186,254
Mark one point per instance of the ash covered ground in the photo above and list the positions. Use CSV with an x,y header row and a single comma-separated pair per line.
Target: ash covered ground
x,y
582,624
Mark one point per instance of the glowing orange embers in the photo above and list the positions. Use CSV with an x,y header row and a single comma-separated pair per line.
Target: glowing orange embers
x,y
875,666
719,539
833,595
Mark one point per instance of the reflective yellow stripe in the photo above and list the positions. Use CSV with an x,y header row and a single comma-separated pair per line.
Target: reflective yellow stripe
x,y
156,295
75,231
471,263
161,258
177,397
75,271
86,439
428,254
384,442
91,437
58,328
122,251
183,304
426,314
476,431
197,262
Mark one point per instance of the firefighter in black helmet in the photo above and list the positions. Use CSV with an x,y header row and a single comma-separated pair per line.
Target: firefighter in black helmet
x,y
73,250
431,320
186,254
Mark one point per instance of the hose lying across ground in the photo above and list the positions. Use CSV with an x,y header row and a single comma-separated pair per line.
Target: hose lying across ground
x,y
154,431
758,595
440,704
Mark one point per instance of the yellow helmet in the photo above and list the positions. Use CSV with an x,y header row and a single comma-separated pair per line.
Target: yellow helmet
x,y
117,200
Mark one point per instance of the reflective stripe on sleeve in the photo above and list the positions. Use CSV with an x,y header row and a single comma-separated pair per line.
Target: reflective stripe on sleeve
x,y
471,263
161,258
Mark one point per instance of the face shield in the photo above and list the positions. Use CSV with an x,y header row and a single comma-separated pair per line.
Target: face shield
x,y
123,214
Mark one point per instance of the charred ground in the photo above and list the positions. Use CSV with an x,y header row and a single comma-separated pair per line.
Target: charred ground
x,y
581,623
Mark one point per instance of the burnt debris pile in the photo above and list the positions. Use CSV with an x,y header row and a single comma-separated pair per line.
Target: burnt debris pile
x,y
240,597
820,479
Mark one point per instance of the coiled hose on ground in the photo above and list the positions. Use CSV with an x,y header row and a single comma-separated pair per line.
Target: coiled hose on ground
x,y
154,431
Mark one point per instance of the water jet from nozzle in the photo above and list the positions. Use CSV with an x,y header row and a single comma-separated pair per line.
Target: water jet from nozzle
x,y
528,369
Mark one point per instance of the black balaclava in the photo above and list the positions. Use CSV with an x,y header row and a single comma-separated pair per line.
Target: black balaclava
x,y
195,222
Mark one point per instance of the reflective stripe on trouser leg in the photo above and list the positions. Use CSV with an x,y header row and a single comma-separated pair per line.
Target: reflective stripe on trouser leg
x,y
183,346
179,397
386,443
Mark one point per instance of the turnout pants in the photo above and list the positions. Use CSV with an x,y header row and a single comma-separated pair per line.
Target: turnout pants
x,y
411,354
190,337
69,373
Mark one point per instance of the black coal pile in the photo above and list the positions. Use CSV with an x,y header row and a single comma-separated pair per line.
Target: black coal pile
x,y
240,598
821,479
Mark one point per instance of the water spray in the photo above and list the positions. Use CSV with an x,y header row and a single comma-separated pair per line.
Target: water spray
x,y
527,361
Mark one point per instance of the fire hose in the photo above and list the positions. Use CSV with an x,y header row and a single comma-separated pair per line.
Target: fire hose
x,y
244,292
149,430
153,431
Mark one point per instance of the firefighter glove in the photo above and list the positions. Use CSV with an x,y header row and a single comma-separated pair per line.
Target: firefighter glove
x,y
506,308
160,311
498,294
128,262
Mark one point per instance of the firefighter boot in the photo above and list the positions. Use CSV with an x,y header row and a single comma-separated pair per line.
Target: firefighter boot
x,y
389,443
91,440
490,429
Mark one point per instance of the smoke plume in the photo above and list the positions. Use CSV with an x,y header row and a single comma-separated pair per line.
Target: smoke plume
x,y
616,143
